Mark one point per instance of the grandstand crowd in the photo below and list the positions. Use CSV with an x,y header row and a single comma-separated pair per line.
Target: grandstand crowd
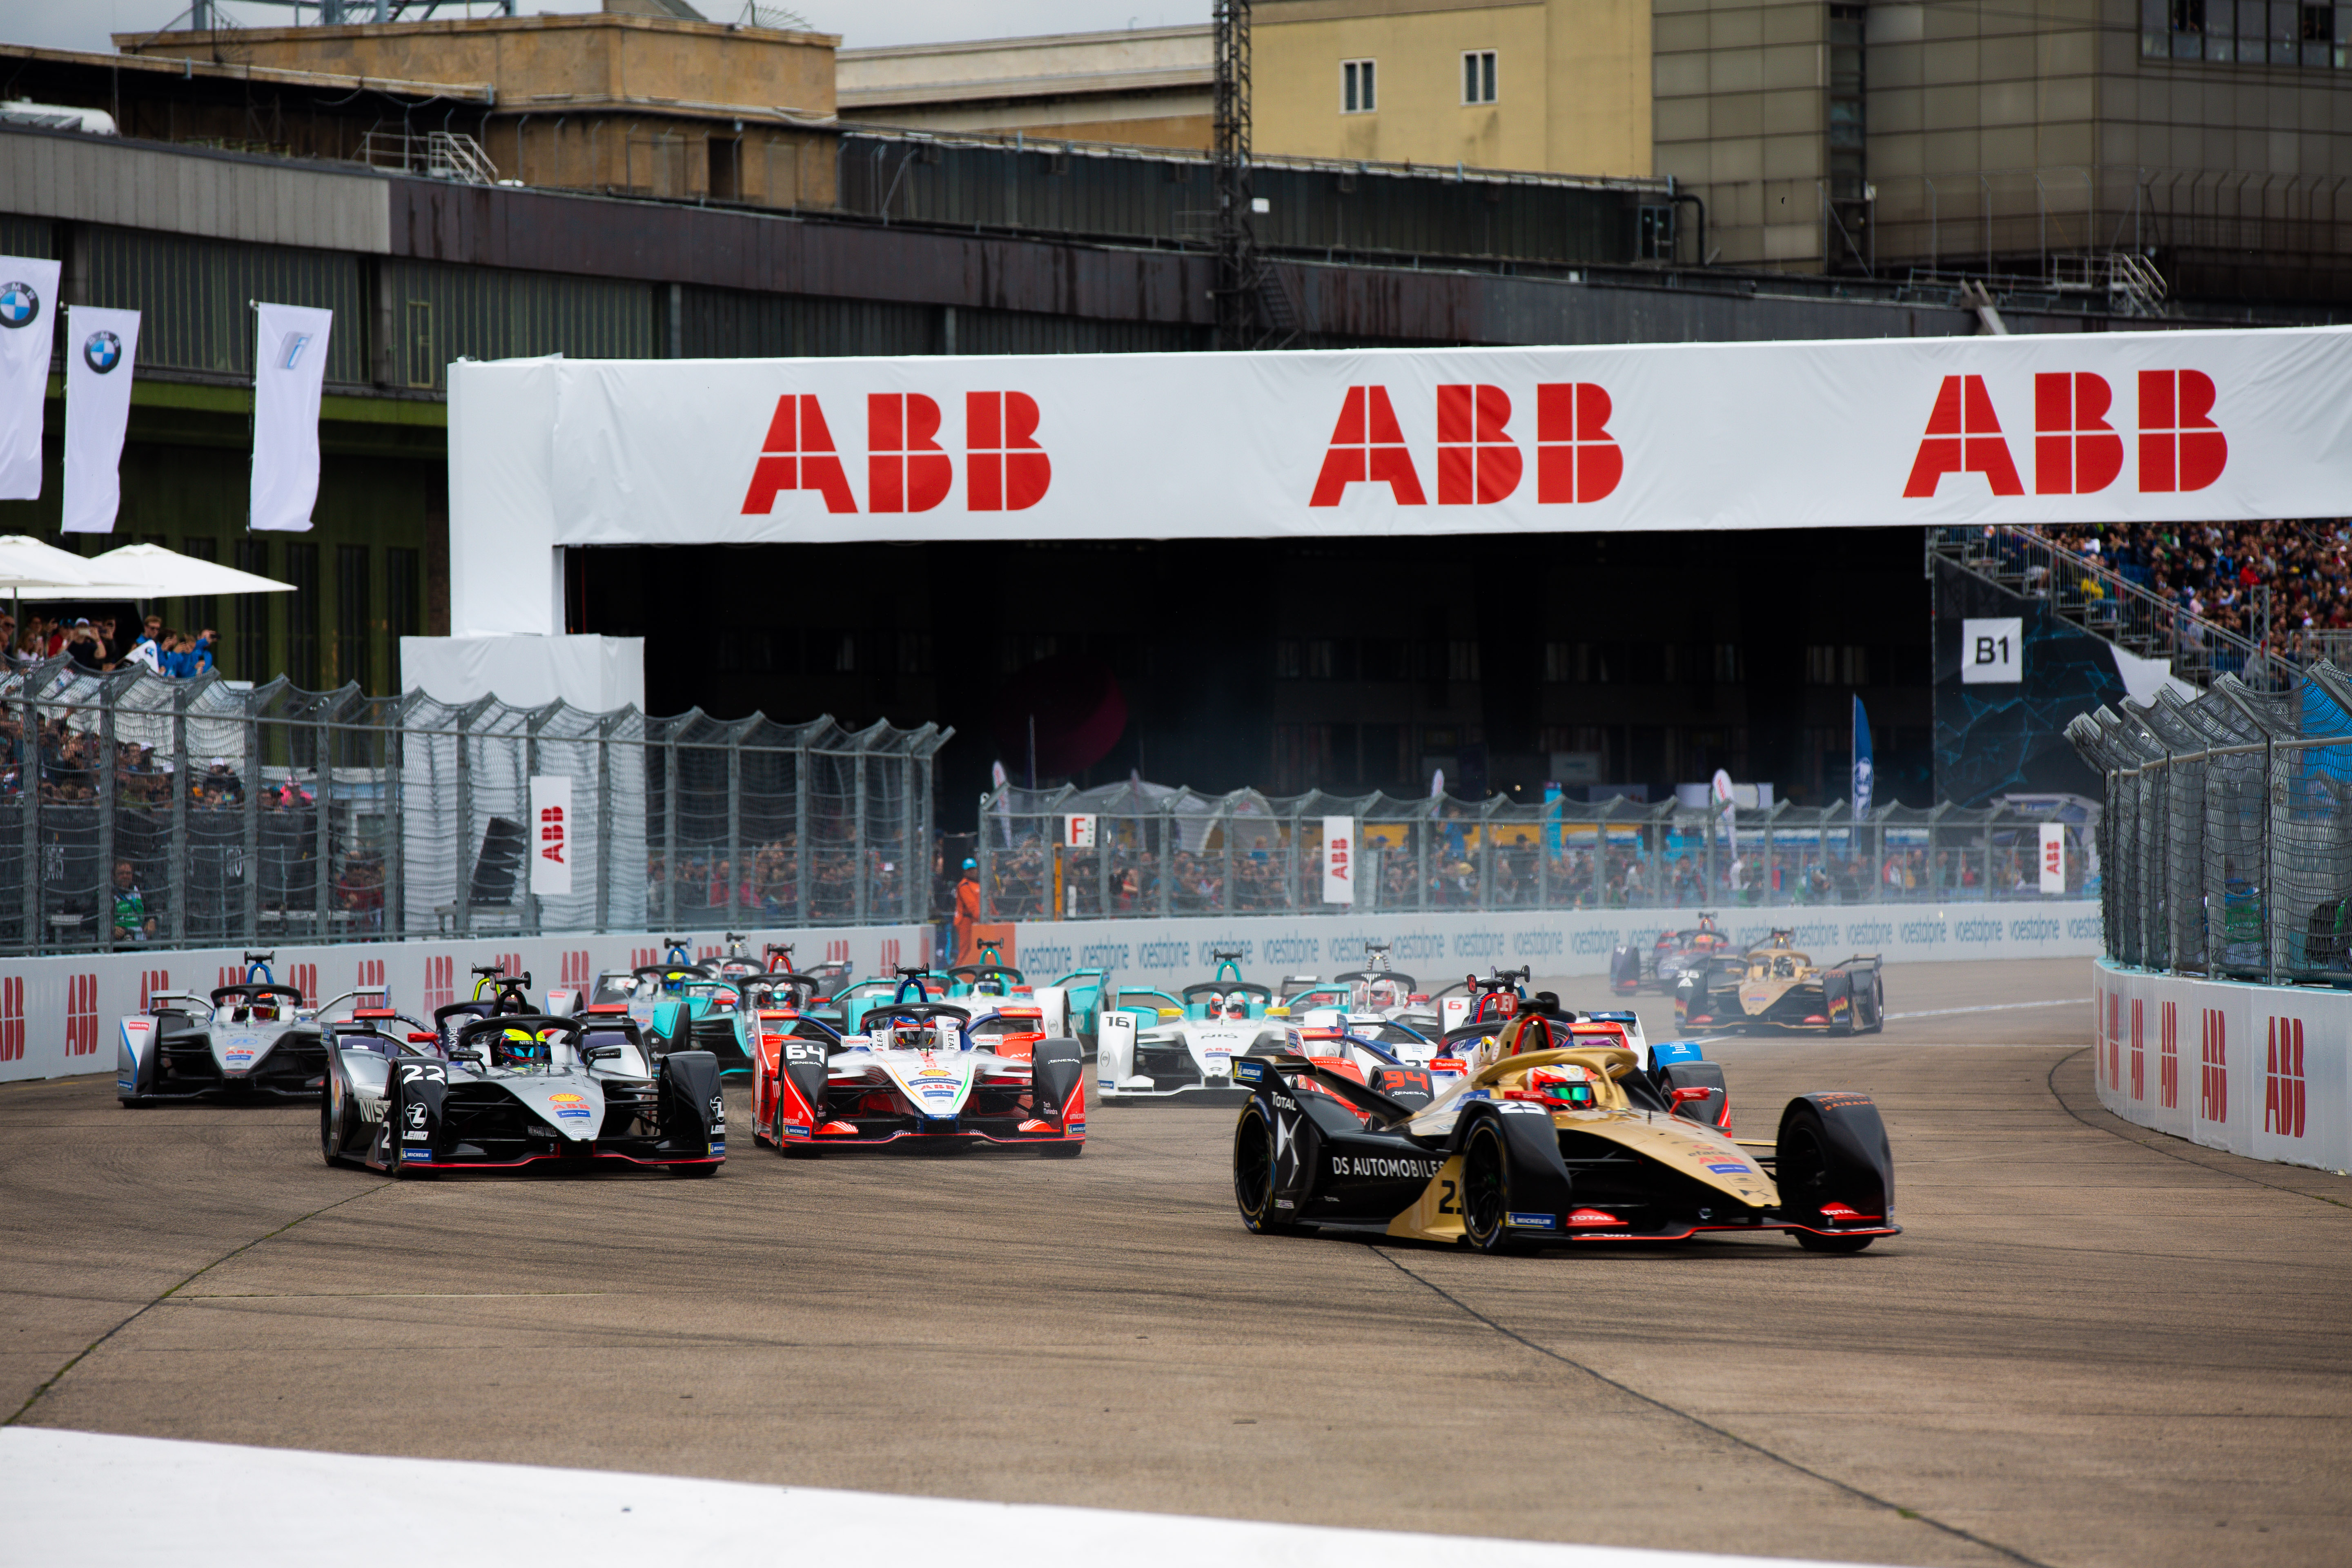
x,y
2218,572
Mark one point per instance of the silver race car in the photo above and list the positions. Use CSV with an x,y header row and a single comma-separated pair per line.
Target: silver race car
x,y
253,1041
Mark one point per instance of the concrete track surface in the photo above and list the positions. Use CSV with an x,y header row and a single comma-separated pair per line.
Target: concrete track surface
x,y
2094,1345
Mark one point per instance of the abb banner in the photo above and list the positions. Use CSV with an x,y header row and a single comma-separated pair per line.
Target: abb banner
x,y
2261,1070
2188,424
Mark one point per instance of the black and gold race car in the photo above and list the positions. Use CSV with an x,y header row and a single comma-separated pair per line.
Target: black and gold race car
x,y
1774,986
1548,1143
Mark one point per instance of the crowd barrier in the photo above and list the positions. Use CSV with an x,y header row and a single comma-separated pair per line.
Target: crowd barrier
x,y
58,1014
2259,1070
1559,943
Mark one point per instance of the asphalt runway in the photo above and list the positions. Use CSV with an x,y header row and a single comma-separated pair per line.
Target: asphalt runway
x,y
2094,1345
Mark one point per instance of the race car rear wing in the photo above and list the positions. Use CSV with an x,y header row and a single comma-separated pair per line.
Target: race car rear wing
x,y
1255,1072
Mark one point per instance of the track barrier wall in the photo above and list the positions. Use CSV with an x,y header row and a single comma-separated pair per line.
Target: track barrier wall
x,y
2259,1070
1437,948
58,1015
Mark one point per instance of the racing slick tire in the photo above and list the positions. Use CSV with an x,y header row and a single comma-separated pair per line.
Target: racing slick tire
x,y
1877,1004
1816,1162
330,1122
1253,1175
1487,1187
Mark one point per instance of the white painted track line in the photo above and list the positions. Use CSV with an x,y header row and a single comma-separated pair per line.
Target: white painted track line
x,y
94,1499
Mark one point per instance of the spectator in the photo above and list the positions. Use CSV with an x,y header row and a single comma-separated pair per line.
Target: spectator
x,y
131,921
967,910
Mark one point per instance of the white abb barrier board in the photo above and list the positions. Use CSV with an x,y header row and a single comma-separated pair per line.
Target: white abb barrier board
x,y
2259,1070
60,1016
2056,428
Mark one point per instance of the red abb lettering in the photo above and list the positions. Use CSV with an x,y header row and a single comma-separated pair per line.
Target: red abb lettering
x,y
2075,451
1478,464
798,455
2284,1096
1576,458
1006,469
1963,437
2181,448
1368,447
905,471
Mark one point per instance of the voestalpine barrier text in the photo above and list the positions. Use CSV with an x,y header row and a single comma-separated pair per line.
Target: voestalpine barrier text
x,y
2259,1070
58,1015
1562,943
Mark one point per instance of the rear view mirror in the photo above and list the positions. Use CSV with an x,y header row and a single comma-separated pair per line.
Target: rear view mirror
x,y
418,1037
598,1052
1679,1097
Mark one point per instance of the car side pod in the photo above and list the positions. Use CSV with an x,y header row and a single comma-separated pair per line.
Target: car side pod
x,y
1835,1172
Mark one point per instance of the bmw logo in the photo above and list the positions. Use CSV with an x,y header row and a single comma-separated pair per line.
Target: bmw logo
x,y
102,352
20,304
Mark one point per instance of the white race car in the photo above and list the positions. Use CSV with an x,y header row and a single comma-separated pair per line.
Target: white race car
x,y
919,1075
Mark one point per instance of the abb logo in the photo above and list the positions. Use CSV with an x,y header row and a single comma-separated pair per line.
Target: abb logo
x,y
889,955
2167,1057
2282,1085
2138,1056
2077,450
837,951
1006,468
82,1015
371,972
12,1018
508,962
1478,461
440,983
551,834
575,969
304,979
231,976
2213,1089
151,981
2114,1035
642,955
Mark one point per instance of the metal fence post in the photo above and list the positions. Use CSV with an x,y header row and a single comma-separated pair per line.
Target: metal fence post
x,y
1104,844
464,893
103,910
1420,834
28,779
177,878
669,829
1544,841
800,836
735,879
2274,801
323,796
1228,889
1167,855
396,818
605,822
252,827
859,862
980,853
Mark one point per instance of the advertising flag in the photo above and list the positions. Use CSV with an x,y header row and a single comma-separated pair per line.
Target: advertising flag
x,y
551,854
1862,775
1339,859
2054,858
289,376
102,348
28,289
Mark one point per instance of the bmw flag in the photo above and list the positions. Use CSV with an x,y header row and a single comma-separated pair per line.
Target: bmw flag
x,y
104,345
29,292
289,376
1862,769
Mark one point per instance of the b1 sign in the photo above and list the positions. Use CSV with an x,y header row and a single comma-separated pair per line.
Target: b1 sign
x,y
551,844
1992,652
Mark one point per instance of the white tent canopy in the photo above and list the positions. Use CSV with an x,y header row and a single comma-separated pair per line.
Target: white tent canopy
x,y
151,572
26,564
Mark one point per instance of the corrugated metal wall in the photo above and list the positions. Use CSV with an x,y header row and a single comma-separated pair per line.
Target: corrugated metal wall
x,y
193,297
441,313
1167,200
726,324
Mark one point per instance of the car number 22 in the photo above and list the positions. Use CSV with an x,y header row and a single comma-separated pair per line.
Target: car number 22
x,y
422,1073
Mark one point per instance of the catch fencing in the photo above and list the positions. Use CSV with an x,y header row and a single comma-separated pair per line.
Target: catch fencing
x,y
1146,851
2227,829
137,810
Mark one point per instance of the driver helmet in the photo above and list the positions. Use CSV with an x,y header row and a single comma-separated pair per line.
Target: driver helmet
x,y
1232,1005
522,1046
262,1009
1384,994
674,980
907,1033
1565,1084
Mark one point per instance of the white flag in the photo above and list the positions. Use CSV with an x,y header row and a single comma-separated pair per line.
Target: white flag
x,y
102,348
1339,859
551,844
289,375
28,290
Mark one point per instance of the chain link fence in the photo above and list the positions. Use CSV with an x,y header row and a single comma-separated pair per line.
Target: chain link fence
x,y
136,809
2228,828
1160,851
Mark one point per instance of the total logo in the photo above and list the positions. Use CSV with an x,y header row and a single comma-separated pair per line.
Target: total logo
x,y
2077,450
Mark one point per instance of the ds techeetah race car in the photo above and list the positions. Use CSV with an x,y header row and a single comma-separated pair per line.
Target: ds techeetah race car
x,y
1548,1144
1672,954
1773,985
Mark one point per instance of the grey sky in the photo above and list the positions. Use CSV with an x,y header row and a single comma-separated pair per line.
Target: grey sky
x,y
89,24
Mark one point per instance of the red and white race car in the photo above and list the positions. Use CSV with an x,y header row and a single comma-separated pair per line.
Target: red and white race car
x,y
920,1074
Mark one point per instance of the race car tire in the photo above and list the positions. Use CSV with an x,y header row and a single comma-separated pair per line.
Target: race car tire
x,y
331,1126
1877,1006
1254,1175
1813,1243
1487,1188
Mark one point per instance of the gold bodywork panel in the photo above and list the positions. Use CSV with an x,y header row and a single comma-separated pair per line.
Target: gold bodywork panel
x,y
1677,1142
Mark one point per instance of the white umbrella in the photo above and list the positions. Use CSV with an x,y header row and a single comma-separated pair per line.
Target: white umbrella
x,y
151,572
27,562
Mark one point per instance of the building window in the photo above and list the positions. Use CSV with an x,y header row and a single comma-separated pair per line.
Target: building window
x,y
1478,76
403,617
2249,32
201,613
302,615
1359,91
252,612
